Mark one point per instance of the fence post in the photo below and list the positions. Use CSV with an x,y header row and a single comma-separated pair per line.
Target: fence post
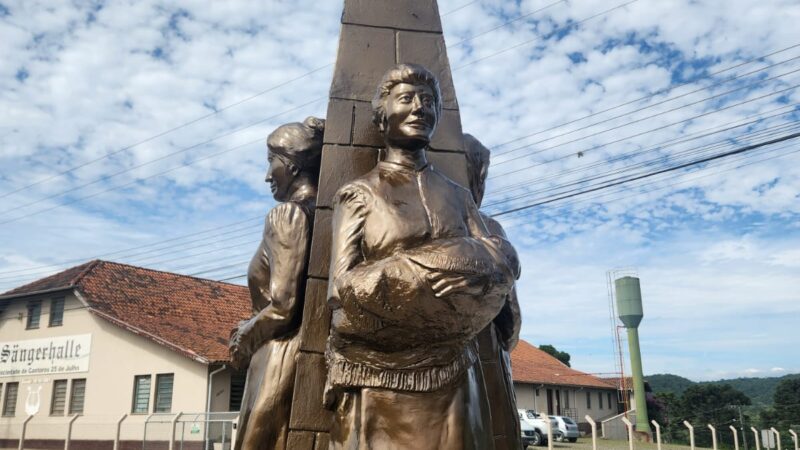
x,y
629,425
758,442
735,437
794,438
691,433
144,433
546,419
777,436
119,427
22,433
593,424
658,434
69,431
172,434
713,436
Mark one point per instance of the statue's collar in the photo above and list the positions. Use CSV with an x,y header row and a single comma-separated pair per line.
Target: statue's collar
x,y
414,161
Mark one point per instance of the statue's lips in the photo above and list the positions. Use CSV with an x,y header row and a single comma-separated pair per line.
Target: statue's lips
x,y
419,125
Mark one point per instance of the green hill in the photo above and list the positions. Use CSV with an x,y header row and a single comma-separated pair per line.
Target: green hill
x,y
668,383
760,390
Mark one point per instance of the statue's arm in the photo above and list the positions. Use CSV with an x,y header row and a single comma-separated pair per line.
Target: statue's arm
x,y
349,213
509,320
276,279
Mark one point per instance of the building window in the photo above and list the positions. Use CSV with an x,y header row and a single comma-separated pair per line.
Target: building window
x,y
600,400
566,399
610,403
537,392
76,396
164,392
34,314
10,402
56,312
237,391
588,400
59,401
141,394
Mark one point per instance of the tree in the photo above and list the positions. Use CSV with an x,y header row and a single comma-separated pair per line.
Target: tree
x,y
561,356
714,404
785,411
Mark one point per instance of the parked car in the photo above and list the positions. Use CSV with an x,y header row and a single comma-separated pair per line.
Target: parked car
x,y
529,434
566,429
533,419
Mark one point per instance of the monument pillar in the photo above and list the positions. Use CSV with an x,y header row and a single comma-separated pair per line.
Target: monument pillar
x,y
375,36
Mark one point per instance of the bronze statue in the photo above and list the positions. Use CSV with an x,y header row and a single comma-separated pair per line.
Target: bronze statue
x,y
499,338
276,277
415,276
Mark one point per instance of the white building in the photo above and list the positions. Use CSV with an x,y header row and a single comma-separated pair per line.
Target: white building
x,y
546,385
106,339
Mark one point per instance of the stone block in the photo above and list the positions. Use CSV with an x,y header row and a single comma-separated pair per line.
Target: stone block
x,y
365,54
429,51
341,164
316,317
449,135
452,164
307,410
365,132
320,259
300,440
322,442
339,122
420,15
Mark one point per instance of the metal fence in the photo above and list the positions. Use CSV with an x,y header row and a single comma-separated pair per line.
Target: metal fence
x,y
174,431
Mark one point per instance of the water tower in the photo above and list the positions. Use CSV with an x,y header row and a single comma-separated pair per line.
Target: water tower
x,y
629,308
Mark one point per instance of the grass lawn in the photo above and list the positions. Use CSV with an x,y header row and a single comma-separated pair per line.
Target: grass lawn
x,y
602,444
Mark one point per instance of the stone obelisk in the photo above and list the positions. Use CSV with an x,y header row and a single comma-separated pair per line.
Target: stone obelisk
x,y
375,35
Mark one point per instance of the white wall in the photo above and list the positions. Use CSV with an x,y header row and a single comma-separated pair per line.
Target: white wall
x,y
117,355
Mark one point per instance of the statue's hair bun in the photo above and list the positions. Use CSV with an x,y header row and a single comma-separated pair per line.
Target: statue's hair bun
x,y
315,123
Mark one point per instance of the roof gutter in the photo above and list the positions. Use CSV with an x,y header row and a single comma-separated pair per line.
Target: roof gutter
x,y
34,293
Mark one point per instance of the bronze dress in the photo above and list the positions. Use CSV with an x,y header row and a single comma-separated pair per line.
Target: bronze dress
x,y
275,279
394,385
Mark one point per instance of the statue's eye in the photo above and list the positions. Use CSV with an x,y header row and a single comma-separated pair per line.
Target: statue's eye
x,y
405,98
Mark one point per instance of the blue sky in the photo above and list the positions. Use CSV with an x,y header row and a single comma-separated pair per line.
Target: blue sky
x,y
182,95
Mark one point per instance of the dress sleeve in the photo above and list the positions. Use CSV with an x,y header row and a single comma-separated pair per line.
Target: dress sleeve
x,y
509,320
285,248
349,215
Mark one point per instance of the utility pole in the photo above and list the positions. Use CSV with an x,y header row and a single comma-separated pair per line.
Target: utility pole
x,y
741,426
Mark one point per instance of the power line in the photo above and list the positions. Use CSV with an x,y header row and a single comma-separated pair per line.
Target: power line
x,y
658,104
651,174
646,97
586,150
665,144
768,132
558,29
164,133
107,177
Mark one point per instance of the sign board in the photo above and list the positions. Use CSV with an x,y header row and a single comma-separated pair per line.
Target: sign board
x,y
767,439
61,354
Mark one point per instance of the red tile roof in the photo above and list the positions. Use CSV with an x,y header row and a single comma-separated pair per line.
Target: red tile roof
x,y
531,365
191,316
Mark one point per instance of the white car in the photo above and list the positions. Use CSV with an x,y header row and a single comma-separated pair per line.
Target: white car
x,y
529,434
566,429
539,426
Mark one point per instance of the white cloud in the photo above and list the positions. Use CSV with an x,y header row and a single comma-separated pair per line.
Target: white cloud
x,y
78,82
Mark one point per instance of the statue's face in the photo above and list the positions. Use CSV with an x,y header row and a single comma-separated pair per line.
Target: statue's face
x,y
410,115
280,176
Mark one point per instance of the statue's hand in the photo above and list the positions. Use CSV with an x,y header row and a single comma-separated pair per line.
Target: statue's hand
x,y
240,344
446,283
